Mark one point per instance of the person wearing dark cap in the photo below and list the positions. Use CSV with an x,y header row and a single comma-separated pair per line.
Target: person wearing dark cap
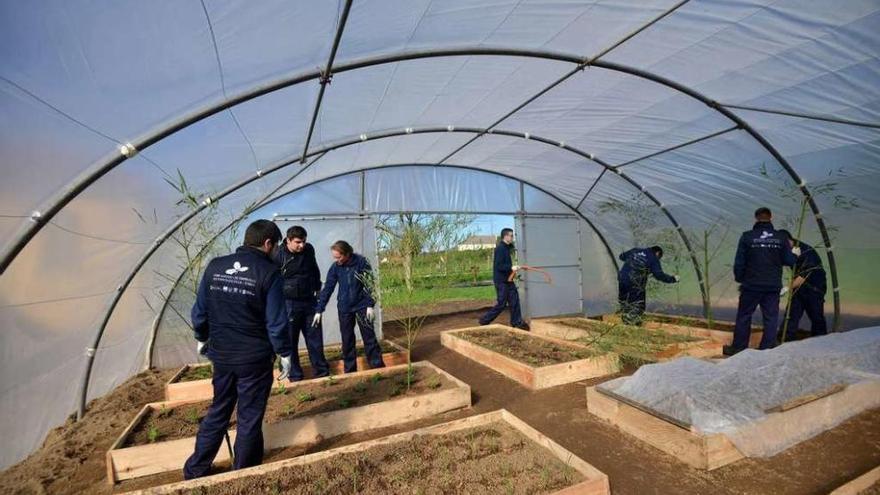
x,y
757,267
808,291
632,281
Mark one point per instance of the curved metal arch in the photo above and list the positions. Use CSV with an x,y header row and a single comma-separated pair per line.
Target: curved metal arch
x,y
271,200
128,150
104,165
117,296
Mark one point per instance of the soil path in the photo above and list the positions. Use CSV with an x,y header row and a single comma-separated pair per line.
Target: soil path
x,y
72,459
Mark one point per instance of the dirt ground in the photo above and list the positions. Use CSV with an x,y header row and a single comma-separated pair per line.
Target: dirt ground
x,y
72,458
468,461
525,348
329,394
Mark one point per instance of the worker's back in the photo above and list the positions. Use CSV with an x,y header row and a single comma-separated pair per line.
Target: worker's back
x,y
759,258
234,294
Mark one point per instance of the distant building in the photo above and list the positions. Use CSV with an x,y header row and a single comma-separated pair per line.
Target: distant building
x,y
475,242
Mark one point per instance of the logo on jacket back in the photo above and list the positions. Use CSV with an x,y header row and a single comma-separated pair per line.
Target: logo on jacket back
x,y
766,234
236,268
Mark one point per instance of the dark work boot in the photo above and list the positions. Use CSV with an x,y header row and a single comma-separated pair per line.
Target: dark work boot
x,y
729,350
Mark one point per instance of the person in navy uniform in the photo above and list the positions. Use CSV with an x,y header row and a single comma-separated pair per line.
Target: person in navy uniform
x,y
240,324
632,281
507,295
808,291
302,282
353,302
757,267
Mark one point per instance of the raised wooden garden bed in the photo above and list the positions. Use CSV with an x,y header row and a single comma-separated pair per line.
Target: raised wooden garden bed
x,y
492,452
193,381
635,343
720,331
534,361
862,484
162,435
782,423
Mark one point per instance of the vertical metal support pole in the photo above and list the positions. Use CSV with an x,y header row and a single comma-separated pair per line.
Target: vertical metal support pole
x,y
522,252
580,266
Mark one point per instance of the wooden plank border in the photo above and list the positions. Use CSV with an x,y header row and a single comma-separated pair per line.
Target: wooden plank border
x,y
143,460
711,451
530,376
556,328
596,482
203,389
722,336
860,484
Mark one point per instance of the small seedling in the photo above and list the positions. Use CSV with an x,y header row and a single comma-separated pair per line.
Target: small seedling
x,y
397,390
376,378
192,415
305,397
434,382
330,381
152,433
280,389
360,387
288,409
344,402
164,411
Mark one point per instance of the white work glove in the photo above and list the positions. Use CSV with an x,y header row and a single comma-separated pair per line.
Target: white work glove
x,y
199,347
783,292
285,368
677,278
515,268
316,320
371,314
796,251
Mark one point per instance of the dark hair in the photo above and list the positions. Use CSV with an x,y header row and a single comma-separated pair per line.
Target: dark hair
x,y
297,232
506,231
343,248
260,231
763,213
786,234
657,250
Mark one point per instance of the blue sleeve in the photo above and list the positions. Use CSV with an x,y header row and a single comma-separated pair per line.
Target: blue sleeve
x,y
739,261
327,291
788,258
276,318
502,262
199,313
369,297
657,270
625,255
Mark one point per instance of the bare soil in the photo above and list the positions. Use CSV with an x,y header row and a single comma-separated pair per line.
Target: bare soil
x,y
330,394
331,353
71,460
527,349
482,460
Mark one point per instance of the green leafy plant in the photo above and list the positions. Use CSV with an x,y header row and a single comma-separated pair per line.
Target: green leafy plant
x,y
305,397
192,415
344,401
153,433
360,387
280,389
376,378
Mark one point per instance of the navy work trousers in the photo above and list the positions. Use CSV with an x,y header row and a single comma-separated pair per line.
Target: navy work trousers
x,y
506,297
749,300
300,322
368,335
249,387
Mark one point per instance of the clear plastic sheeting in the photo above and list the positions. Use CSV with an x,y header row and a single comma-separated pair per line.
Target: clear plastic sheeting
x,y
732,395
179,79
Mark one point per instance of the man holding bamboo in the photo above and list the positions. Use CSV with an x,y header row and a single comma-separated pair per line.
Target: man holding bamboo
x,y
808,287
757,267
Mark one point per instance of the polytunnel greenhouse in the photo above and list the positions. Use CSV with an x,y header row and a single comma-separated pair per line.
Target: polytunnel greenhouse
x,y
140,139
